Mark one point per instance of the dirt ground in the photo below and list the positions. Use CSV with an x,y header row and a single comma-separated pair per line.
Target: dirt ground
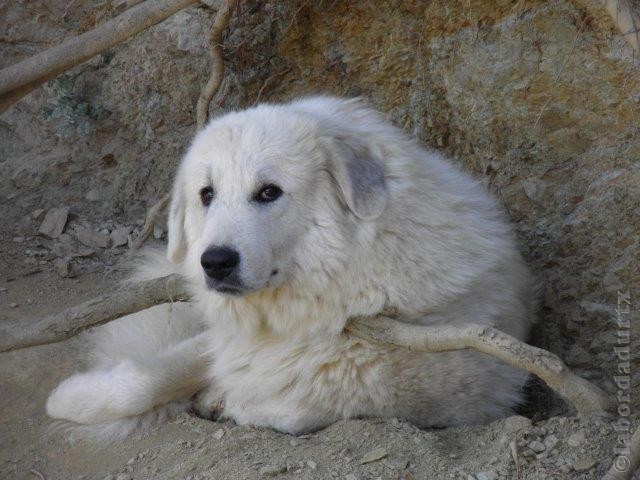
x,y
187,447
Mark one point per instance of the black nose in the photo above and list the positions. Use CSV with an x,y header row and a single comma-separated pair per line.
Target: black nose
x,y
218,263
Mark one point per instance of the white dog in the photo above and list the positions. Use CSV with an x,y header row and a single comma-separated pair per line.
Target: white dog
x,y
287,220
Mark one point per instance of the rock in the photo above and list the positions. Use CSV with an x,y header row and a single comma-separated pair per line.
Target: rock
x,y
397,463
516,423
312,465
272,470
376,454
488,475
13,305
157,232
18,239
583,464
36,213
576,439
551,442
54,222
536,446
123,476
219,434
63,267
350,476
120,236
94,195
91,238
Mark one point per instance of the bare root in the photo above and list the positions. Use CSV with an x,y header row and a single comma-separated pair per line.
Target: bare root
x,y
220,23
18,80
131,298
583,395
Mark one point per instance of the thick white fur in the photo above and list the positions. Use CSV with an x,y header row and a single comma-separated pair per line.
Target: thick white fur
x,y
368,222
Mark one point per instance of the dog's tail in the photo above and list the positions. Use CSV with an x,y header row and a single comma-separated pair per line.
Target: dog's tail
x,y
145,366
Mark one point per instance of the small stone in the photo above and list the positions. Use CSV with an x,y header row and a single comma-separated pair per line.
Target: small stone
x,y
91,238
272,470
157,232
564,468
18,239
312,465
63,267
219,434
583,464
93,195
123,476
36,213
54,222
120,236
576,439
488,475
516,423
397,463
376,454
536,446
550,442
13,305
3,289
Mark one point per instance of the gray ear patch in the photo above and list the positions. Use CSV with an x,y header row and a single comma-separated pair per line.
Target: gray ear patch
x,y
360,175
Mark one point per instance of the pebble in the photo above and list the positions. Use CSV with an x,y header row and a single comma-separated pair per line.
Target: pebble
x,y
312,465
13,305
272,470
54,222
550,442
576,439
488,475
123,476
91,238
375,454
536,446
219,434
157,232
63,267
584,464
18,239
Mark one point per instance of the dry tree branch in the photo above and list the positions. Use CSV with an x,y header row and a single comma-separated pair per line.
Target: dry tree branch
x,y
625,465
131,298
18,80
220,22
585,396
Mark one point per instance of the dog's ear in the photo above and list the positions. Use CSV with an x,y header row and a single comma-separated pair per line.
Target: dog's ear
x,y
358,170
177,245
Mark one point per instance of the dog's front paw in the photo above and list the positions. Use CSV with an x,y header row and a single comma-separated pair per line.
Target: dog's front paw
x,y
207,405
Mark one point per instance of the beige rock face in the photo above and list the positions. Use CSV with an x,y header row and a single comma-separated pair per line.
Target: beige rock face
x,y
535,99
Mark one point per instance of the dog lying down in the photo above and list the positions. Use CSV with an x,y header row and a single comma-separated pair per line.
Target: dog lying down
x,y
287,220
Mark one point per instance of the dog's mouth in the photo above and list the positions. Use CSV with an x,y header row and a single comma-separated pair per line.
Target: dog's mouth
x,y
226,287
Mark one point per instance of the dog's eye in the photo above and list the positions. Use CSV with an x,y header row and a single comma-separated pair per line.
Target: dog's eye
x,y
206,196
267,194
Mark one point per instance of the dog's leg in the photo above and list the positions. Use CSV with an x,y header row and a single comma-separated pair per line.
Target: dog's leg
x,y
132,388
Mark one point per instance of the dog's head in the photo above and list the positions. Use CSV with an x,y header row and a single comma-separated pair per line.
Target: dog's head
x,y
258,186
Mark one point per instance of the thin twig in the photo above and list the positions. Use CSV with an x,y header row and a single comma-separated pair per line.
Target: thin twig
x,y
151,219
266,82
37,474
